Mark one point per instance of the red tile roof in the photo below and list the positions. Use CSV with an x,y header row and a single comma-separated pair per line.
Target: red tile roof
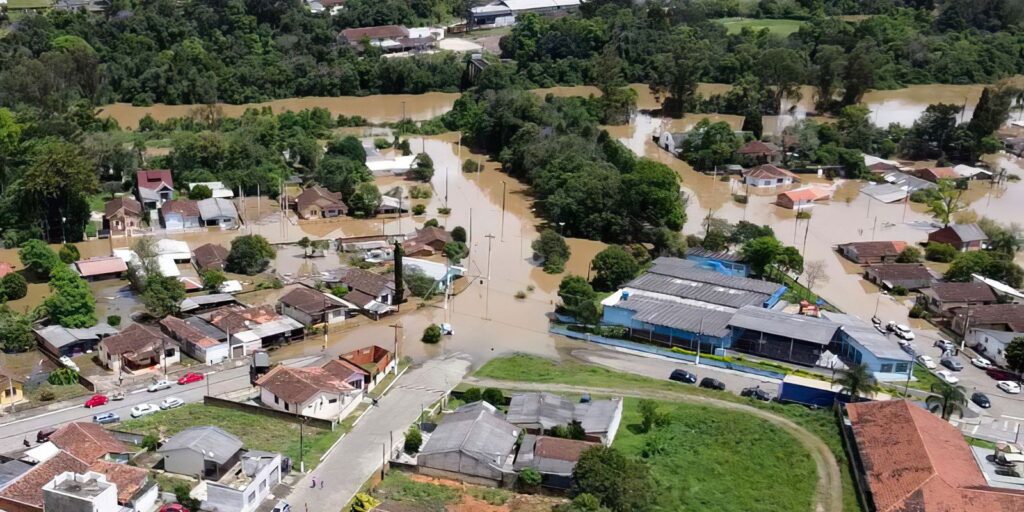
x,y
768,171
87,441
101,265
373,356
319,196
561,449
915,461
124,204
183,207
342,369
5,268
137,339
938,173
878,249
128,479
209,256
28,488
154,179
182,331
756,147
297,385
806,194
963,292
235,320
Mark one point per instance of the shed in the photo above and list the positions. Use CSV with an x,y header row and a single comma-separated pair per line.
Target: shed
x,y
964,237
474,442
204,451
912,276
779,335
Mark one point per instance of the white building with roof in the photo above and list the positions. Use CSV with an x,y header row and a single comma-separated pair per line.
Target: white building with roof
x,y
502,13
218,188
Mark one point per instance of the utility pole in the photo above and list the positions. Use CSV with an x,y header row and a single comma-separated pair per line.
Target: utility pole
x,y
396,326
502,214
487,298
873,227
446,186
807,228
302,462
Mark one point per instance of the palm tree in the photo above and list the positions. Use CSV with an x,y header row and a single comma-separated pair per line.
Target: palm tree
x,y
948,398
856,381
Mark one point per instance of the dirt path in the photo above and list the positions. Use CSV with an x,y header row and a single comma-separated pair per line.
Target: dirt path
x,y
829,490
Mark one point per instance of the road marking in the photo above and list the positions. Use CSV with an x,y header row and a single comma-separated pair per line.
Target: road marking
x,y
1013,417
45,414
975,429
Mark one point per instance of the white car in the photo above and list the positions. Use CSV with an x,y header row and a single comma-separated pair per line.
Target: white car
x,y
159,385
981,362
947,376
927,362
904,332
66,361
171,403
1009,386
144,410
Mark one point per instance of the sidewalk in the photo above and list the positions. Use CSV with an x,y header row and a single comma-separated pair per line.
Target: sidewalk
x,y
361,452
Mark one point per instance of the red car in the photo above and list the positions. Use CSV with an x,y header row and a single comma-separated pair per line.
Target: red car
x,y
190,377
173,507
96,401
998,374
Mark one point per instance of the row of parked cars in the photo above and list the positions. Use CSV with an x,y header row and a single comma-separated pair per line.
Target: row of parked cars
x,y
1007,381
686,377
140,410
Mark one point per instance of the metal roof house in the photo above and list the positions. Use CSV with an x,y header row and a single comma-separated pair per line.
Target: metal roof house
x,y
778,335
61,341
539,412
858,342
473,443
202,452
552,457
965,237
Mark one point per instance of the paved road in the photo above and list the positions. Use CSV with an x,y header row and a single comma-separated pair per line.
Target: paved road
x,y
360,453
13,431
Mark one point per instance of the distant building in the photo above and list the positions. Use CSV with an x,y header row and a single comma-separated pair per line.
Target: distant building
x,y
180,214
502,13
912,276
62,341
538,413
768,175
210,257
997,317
137,347
802,198
761,152
934,174
943,297
372,293
317,202
473,444
201,452
426,241
121,215
154,187
11,388
964,237
217,188
253,328
672,141
728,263
311,307
871,253
906,458
199,339
101,267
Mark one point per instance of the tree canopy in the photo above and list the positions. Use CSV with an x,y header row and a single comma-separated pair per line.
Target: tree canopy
x,y
249,255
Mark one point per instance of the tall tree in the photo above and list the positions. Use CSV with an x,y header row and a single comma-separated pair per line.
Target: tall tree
x,y
249,255
163,296
1015,354
947,398
398,253
856,381
947,204
621,483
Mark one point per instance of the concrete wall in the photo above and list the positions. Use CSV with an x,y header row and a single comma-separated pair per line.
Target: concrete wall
x,y
146,502
459,463
994,349
227,499
184,462
883,369
297,315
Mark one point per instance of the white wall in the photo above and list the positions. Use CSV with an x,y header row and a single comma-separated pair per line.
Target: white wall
x,y
320,406
227,499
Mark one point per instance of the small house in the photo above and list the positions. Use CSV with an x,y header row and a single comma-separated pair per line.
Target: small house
x,y
254,328
473,443
137,347
759,152
317,202
997,317
376,361
767,175
217,211
121,215
154,187
943,297
91,442
426,241
198,338
991,344
245,486
311,307
62,341
205,452
872,253
671,142
101,267
26,494
314,392
554,458
180,214
802,198
12,388
934,174
373,293
912,276
964,237
210,257
540,412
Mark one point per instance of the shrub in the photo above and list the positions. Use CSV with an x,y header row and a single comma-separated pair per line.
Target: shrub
x,y
529,478
459,234
150,442
899,290
472,395
14,286
909,255
63,377
493,396
741,199
181,493
420,192
803,214
942,253
381,143
919,312
46,396
413,440
520,294
419,209
114,320
444,210
432,334
432,223
471,166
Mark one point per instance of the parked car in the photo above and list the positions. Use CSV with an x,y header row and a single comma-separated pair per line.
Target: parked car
x,y
1009,386
159,385
945,345
170,403
952,364
756,393
683,376
927,362
66,361
117,395
709,383
282,506
44,434
173,507
106,418
998,374
947,376
981,362
143,409
189,378
96,401
904,332
981,400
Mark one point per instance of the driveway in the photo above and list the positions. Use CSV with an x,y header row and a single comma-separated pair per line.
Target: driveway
x,y
361,452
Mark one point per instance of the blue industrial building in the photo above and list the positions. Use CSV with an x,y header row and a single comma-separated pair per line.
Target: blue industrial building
x,y
858,342
730,264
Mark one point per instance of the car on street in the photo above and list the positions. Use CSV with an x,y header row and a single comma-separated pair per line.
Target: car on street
x,y
1009,386
282,506
981,362
756,393
96,401
173,507
904,332
981,400
952,364
117,395
709,383
998,374
159,385
44,434
170,403
944,345
927,362
66,361
143,410
947,376
189,378
683,376
106,418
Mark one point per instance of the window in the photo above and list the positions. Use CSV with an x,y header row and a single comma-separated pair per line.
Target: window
x,y
276,399
902,367
169,352
286,406
263,486
333,401
252,497
886,368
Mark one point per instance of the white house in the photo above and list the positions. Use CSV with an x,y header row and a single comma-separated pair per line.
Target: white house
x,y
86,492
671,141
245,487
180,214
216,211
991,344
768,175
318,392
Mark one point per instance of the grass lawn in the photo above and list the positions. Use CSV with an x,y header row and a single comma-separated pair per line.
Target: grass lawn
x,y
924,379
716,459
60,393
98,201
28,4
526,368
256,431
397,486
781,28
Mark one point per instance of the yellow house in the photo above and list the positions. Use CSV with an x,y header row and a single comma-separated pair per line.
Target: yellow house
x,y
10,388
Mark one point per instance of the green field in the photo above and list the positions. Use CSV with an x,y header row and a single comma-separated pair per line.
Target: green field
x,y
781,28
722,460
28,4
257,432
397,486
